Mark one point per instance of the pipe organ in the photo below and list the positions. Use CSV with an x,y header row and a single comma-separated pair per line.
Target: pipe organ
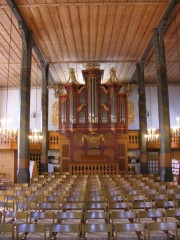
x,y
94,118
93,106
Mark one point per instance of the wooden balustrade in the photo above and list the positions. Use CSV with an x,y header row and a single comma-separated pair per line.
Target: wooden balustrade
x,y
79,168
133,140
55,140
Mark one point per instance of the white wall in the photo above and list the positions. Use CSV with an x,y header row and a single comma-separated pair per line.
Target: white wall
x,y
151,93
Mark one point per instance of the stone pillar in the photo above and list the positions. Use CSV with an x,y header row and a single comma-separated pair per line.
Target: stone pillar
x,y
163,106
23,175
44,106
142,117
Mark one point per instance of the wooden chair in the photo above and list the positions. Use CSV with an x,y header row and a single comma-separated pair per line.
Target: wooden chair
x,y
55,199
97,231
49,206
164,204
33,198
150,216
116,198
162,230
75,198
69,217
6,206
172,215
96,206
6,231
146,205
133,231
123,217
65,231
96,198
31,231
26,206
15,217
73,207
96,217
114,206
45,218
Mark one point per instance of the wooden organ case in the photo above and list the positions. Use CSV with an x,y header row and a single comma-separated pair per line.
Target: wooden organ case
x,y
94,118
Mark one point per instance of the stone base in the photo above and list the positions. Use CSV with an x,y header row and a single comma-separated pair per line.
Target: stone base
x,y
44,167
23,175
166,174
144,168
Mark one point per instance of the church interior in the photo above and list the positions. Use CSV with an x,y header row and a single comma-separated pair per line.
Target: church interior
x,y
89,119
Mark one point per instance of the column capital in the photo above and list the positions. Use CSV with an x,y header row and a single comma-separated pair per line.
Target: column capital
x,y
26,36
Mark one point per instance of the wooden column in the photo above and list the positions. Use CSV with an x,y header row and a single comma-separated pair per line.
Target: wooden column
x,y
163,106
25,85
142,117
44,106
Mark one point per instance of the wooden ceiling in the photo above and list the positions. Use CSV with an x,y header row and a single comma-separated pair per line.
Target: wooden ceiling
x,y
70,34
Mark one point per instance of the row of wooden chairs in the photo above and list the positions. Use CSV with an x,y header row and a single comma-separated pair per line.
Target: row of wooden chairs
x,y
145,216
165,230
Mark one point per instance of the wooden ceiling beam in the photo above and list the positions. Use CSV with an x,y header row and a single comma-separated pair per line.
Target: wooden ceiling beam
x,y
162,24
21,21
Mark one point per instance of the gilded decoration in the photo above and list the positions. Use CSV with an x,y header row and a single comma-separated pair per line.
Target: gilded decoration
x,y
92,138
55,114
59,90
72,77
131,114
106,108
113,78
81,107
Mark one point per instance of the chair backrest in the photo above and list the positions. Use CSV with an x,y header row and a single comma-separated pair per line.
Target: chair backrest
x,y
119,205
96,198
55,198
36,215
166,227
45,206
139,228
153,214
172,213
142,205
116,198
75,198
10,216
95,206
96,215
68,215
7,228
97,228
64,228
7,205
26,206
30,228
130,215
73,206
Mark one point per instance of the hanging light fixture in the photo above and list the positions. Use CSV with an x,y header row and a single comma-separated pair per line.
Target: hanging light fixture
x,y
152,134
6,132
176,130
35,135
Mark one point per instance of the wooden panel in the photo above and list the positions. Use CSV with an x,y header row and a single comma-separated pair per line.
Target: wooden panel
x,y
8,164
93,158
65,150
122,155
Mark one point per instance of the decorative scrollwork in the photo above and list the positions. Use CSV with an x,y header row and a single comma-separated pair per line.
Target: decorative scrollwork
x,y
106,108
131,114
92,138
81,107
55,114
